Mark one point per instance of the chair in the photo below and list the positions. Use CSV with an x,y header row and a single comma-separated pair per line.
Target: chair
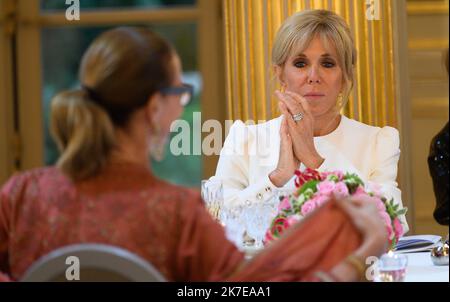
x,y
97,262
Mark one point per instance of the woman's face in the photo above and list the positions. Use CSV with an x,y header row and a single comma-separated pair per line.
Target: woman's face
x,y
315,75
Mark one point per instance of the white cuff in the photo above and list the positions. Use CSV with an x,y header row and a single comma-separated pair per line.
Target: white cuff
x,y
260,191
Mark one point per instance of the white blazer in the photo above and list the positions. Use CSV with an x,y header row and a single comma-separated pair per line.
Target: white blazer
x,y
251,152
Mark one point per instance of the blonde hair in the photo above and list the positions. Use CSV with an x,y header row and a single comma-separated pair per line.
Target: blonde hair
x,y
297,32
83,132
120,70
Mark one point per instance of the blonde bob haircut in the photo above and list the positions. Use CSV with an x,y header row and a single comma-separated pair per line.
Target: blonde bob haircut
x,y
297,32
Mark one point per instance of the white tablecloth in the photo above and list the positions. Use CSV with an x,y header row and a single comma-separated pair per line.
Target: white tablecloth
x,y
421,269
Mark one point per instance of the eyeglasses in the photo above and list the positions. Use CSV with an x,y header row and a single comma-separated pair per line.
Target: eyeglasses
x,y
185,91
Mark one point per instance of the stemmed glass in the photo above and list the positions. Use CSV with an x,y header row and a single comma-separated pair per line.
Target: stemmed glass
x,y
232,219
258,217
212,194
230,216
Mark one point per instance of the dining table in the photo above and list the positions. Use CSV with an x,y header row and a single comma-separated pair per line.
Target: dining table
x,y
420,268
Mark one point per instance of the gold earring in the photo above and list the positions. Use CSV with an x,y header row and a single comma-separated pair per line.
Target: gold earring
x,y
339,102
283,88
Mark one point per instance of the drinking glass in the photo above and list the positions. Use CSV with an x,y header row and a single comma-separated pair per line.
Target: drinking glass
x,y
258,217
232,219
212,194
392,267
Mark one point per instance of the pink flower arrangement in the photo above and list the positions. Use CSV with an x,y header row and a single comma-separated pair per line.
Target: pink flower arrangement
x,y
314,189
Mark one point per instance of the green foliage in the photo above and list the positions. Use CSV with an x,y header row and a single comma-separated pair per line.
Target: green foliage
x,y
310,185
353,182
393,209
333,178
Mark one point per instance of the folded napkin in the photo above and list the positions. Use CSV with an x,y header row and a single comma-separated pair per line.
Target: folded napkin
x,y
417,243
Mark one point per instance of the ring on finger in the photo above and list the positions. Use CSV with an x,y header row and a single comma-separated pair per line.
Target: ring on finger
x,y
297,117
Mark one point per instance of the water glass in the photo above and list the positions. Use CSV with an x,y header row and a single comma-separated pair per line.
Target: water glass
x,y
392,267
232,220
212,194
258,217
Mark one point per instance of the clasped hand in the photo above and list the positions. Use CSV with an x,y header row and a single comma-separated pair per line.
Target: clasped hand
x,y
297,138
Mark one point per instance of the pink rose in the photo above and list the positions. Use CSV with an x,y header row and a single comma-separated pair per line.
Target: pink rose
x,y
339,174
293,219
325,187
308,207
279,225
284,204
341,190
398,228
360,192
388,224
379,203
325,174
268,238
319,200
305,176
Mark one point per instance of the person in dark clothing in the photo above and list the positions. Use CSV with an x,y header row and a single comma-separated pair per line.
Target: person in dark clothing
x,y
439,169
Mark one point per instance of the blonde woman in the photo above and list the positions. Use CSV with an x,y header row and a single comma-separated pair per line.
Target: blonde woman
x,y
313,58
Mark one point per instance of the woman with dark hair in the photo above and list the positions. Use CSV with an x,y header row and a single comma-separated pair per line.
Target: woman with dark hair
x,y
102,189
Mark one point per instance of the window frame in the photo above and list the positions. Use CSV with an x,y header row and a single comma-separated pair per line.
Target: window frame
x,y
206,14
8,148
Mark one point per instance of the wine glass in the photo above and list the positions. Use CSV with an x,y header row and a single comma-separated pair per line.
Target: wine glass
x,y
212,194
258,217
232,220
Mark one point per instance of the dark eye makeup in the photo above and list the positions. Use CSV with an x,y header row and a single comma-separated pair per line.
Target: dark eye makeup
x,y
325,61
